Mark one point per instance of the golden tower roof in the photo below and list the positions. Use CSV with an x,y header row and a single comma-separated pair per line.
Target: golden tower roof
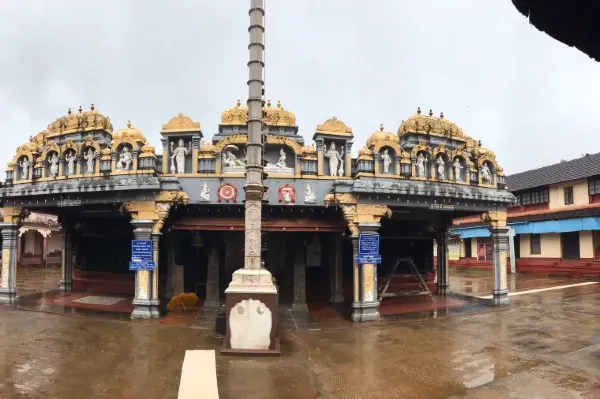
x,y
365,154
180,123
81,121
274,116
336,127
129,134
381,139
430,124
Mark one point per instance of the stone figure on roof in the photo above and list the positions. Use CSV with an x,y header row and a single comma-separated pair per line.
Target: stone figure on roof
x,y
70,158
387,161
336,162
485,174
53,165
178,157
457,169
441,168
25,168
125,159
89,157
421,161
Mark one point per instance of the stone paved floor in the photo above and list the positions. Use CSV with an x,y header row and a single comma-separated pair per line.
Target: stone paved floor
x,y
544,345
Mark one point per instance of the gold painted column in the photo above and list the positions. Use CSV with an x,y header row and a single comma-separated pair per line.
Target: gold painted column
x,y
365,303
496,221
10,232
143,308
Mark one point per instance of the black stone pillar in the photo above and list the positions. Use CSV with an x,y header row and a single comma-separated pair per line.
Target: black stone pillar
x,y
442,263
299,304
213,300
66,242
337,290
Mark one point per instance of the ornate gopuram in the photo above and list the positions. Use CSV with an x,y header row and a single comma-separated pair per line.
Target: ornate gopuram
x,y
109,187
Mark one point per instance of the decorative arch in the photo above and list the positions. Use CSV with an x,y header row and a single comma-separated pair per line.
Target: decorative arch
x,y
69,145
90,142
233,139
282,140
118,144
50,147
22,153
379,144
488,158
418,148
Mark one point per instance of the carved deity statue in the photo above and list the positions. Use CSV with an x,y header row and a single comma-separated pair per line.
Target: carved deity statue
x,y
125,159
25,168
53,165
457,169
281,162
230,160
421,162
179,154
387,161
335,160
485,174
89,157
205,193
441,167
70,158
309,195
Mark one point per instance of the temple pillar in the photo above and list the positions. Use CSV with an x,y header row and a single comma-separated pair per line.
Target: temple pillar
x,y
45,247
213,294
8,283
155,301
66,246
443,278
299,304
496,221
364,305
19,247
337,289
170,288
143,306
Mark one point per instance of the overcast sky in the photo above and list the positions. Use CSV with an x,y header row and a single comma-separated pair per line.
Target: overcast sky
x,y
531,99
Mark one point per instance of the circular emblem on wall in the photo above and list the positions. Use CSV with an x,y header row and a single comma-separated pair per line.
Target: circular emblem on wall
x,y
227,192
287,194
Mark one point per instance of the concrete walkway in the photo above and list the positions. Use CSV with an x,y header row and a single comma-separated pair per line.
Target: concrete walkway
x,y
544,345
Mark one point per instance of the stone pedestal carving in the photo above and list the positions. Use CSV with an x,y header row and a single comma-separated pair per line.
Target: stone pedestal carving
x,y
8,283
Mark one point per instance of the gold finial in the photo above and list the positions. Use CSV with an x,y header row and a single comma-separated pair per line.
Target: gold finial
x,y
268,103
419,110
80,109
69,111
92,107
381,127
430,113
479,143
129,124
278,104
442,115
239,102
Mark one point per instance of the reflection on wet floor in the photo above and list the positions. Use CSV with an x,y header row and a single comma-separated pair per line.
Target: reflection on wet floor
x,y
544,345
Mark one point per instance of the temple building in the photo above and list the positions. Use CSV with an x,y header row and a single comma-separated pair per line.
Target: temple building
x,y
108,187
555,222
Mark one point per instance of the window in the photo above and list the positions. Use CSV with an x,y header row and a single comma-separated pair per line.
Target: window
x,y
594,186
468,248
536,244
533,197
569,195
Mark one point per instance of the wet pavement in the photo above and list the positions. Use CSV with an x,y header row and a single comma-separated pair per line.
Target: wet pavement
x,y
544,345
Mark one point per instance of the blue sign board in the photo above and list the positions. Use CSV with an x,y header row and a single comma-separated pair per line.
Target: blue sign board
x,y
141,265
364,259
368,244
141,250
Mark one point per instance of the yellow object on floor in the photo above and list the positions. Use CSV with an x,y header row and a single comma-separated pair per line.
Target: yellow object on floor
x,y
199,375
182,301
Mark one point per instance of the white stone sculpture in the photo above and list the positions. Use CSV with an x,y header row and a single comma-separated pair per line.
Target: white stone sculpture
x,y
485,174
89,157
178,157
387,161
335,160
53,165
125,159
421,161
457,169
70,158
25,168
250,323
230,161
205,193
441,167
280,166
309,195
